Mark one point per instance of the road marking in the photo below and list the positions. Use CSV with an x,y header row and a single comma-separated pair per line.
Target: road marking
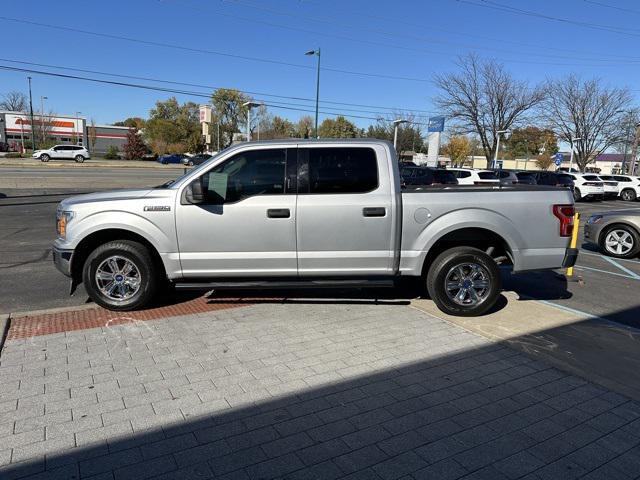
x,y
590,316
578,267
624,269
593,254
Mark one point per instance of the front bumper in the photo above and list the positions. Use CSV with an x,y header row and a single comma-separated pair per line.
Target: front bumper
x,y
570,257
62,260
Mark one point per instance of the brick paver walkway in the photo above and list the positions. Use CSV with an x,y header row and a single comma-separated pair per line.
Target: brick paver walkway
x,y
301,390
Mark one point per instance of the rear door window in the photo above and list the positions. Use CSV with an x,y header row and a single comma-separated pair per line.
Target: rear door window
x,y
591,178
338,170
463,174
487,176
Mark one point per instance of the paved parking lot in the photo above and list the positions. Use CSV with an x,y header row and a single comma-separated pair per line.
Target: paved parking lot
x,y
301,390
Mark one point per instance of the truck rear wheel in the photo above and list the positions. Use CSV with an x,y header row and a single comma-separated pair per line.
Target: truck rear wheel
x,y
464,281
120,275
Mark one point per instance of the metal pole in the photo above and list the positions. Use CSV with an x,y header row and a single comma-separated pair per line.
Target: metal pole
x,y
248,123
495,155
395,137
218,124
571,158
317,92
33,131
626,146
42,115
634,150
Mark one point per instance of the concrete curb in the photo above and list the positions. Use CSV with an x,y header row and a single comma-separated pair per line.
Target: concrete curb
x,y
4,329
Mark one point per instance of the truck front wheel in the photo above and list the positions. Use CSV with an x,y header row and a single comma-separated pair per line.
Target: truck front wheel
x,y
464,281
120,275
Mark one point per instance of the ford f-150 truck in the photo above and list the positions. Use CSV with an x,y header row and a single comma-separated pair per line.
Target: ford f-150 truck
x,y
316,213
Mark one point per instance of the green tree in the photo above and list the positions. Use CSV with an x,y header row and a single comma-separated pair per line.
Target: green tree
x,y
174,128
409,134
530,142
304,127
131,122
229,110
339,127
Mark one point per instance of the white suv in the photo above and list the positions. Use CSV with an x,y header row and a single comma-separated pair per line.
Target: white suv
x,y
587,186
628,186
75,152
468,176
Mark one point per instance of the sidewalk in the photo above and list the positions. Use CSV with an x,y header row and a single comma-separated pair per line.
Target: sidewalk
x,y
300,389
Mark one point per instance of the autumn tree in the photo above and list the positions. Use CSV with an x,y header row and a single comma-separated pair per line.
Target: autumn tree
x,y
134,147
277,127
587,110
339,127
174,128
544,161
14,101
228,108
483,98
458,148
530,141
304,127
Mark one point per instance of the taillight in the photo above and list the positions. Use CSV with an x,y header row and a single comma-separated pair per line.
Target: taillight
x,y
565,214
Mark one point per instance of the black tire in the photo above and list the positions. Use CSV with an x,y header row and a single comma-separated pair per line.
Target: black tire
x,y
133,252
44,157
635,239
628,195
445,265
79,159
577,196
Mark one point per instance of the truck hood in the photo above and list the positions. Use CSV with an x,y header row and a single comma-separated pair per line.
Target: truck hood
x,y
111,195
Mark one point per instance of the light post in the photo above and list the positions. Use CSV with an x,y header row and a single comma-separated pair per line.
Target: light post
x,y
249,106
396,124
317,53
495,155
77,130
573,139
626,142
33,130
42,99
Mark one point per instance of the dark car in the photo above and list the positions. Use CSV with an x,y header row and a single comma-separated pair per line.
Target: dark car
x,y
198,159
553,179
526,178
417,176
180,158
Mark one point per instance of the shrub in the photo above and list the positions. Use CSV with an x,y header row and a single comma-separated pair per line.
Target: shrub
x,y
13,155
112,153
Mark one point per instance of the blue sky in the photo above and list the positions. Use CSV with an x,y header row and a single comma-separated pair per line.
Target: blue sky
x,y
413,39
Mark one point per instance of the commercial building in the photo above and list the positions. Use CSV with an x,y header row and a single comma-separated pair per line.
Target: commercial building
x,y
16,131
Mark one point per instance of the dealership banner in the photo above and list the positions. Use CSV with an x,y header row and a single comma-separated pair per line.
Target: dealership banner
x,y
53,125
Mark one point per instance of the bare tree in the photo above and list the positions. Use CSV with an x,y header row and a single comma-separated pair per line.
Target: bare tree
x,y
587,110
14,101
484,98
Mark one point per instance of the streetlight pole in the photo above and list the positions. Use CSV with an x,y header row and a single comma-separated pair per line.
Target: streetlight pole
x,y
249,106
396,124
317,53
33,130
495,155
626,142
77,129
573,139
42,99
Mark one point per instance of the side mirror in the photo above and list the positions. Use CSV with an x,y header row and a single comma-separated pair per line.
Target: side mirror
x,y
194,192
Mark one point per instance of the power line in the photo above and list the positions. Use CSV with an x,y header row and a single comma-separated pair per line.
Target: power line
x,y
614,7
211,87
185,92
209,52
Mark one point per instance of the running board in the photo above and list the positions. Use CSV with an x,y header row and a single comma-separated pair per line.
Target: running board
x,y
251,285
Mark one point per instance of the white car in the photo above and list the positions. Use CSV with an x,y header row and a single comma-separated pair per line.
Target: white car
x,y
628,187
610,184
73,152
469,176
587,186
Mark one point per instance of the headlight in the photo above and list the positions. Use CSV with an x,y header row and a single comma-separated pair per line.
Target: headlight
x,y
594,219
62,219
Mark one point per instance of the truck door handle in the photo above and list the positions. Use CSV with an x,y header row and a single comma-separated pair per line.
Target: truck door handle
x,y
374,211
278,213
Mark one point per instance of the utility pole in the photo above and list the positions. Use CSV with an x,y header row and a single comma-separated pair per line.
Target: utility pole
x,y
634,150
42,99
396,124
249,106
33,130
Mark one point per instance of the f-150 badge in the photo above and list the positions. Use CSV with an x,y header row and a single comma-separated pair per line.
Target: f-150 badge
x,y
157,208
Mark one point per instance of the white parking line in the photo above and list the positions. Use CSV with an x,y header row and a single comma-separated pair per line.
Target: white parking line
x,y
624,269
580,267
593,254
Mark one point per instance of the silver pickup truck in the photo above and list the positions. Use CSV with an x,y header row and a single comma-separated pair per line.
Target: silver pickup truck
x,y
320,213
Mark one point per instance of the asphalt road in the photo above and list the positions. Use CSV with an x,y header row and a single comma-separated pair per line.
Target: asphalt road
x,y
600,287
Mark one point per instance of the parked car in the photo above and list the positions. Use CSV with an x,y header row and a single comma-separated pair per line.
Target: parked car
x,y
610,184
628,186
295,213
173,158
526,178
469,176
198,159
616,233
552,179
587,186
75,152
416,176
506,177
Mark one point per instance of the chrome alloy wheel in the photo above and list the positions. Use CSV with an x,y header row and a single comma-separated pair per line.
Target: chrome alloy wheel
x,y
118,278
468,284
619,242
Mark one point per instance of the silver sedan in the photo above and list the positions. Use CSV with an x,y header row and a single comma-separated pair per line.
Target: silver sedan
x,y
617,233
